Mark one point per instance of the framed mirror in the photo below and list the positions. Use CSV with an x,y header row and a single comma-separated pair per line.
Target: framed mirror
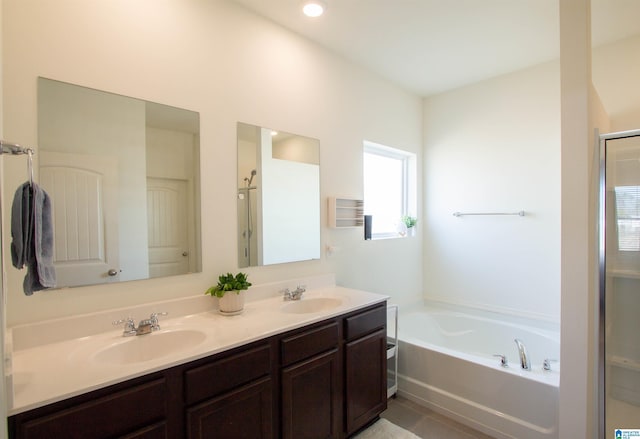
x,y
123,176
278,196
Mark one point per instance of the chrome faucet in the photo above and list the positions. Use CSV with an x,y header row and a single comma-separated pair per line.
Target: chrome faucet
x,y
145,326
295,294
525,363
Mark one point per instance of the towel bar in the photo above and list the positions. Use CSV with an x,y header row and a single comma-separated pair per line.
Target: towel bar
x,y
519,213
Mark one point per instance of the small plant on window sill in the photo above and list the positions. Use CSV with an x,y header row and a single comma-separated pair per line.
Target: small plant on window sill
x,y
409,221
407,225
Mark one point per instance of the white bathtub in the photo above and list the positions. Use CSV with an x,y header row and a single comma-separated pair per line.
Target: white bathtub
x,y
446,362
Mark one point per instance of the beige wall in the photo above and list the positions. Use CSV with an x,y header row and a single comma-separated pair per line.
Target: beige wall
x,y
202,55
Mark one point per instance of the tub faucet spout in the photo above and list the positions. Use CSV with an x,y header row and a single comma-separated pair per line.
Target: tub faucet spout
x,y
525,363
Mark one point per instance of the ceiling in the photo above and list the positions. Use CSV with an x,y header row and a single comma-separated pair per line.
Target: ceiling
x,y
430,46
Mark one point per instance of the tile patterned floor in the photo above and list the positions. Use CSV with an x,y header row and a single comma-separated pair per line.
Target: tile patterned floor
x,y
426,423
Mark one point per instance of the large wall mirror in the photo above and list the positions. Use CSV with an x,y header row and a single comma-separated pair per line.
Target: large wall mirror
x,y
278,196
123,175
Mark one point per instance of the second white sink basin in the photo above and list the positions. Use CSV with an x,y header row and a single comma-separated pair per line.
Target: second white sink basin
x,y
141,348
307,306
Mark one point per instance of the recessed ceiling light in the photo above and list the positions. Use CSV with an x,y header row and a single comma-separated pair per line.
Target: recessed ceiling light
x,y
314,8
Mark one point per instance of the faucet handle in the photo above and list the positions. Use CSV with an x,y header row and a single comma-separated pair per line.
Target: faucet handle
x,y
129,326
153,319
546,364
299,291
503,360
286,294
127,321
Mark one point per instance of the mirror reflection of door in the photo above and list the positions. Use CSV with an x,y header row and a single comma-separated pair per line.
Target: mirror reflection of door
x,y
146,140
84,188
167,226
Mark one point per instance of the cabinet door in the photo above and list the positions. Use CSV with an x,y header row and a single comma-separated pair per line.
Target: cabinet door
x,y
366,389
311,399
244,413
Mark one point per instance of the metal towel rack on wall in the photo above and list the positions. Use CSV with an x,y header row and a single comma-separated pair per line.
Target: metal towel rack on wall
x,y
519,213
15,149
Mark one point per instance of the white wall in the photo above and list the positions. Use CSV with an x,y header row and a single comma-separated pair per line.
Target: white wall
x,y
494,146
616,73
296,148
202,55
169,154
290,219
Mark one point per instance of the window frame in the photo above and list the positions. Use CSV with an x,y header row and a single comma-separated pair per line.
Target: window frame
x,y
408,183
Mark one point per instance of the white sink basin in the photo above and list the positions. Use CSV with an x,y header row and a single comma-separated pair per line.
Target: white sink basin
x,y
307,306
141,348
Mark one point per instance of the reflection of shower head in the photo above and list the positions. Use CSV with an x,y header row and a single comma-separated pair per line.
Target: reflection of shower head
x,y
249,180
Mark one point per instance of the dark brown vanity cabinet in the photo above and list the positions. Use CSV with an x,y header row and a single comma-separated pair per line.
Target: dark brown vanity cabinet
x,y
325,380
311,383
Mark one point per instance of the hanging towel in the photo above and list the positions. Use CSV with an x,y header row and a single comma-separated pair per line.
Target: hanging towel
x,y
32,233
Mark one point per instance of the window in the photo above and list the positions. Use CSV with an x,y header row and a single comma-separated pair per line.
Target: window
x,y
628,217
389,188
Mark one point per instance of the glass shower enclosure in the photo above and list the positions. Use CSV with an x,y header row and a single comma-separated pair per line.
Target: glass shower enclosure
x,y
619,254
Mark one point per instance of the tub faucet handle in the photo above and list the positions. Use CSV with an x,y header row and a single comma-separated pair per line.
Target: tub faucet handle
x,y
503,360
546,364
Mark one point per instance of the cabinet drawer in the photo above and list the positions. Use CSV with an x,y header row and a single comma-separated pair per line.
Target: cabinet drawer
x,y
156,431
365,322
114,415
222,375
306,344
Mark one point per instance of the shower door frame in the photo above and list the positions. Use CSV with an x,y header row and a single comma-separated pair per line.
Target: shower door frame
x,y
602,144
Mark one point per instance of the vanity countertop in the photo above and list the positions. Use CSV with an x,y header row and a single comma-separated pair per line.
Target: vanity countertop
x,y
56,371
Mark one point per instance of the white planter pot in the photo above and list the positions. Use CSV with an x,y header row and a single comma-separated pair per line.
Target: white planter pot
x,y
231,303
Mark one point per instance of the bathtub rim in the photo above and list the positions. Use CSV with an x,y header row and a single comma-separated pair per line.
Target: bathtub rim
x,y
541,328
491,313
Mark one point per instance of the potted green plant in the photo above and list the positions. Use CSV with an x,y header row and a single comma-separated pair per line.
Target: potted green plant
x,y
410,223
230,291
